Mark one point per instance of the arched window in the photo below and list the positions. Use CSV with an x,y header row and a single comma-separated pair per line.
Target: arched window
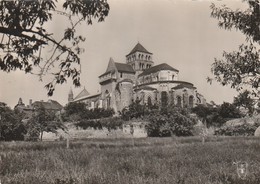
x,y
178,101
149,102
164,98
107,96
172,77
191,99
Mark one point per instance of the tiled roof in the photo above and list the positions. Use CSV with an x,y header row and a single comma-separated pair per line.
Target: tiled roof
x,y
50,105
139,48
121,67
83,93
181,86
157,68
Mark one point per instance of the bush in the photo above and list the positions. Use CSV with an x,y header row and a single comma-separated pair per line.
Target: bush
x,y
167,123
112,123
239,130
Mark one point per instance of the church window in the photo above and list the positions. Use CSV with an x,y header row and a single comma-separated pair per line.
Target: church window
x,y
178,101
121,74
139,56
149,102
164,98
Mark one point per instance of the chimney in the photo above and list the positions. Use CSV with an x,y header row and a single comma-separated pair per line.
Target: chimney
x,y
30,102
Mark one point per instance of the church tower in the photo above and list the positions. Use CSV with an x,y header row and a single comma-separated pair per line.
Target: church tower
x,y
140,59
70,96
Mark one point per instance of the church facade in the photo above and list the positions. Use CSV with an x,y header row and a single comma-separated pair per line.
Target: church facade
x,y
139,79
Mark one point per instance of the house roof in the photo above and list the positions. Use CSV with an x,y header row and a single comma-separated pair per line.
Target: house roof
x,y
121,67
139,48
181,86
50,105
157,68
83,93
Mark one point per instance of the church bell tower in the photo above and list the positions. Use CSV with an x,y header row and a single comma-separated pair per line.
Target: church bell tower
x,y
140,59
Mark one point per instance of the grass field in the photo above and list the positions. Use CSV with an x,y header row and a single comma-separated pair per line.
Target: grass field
x,y
130,161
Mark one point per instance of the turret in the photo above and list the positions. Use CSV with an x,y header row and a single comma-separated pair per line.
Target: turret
x,y
70,96
139,58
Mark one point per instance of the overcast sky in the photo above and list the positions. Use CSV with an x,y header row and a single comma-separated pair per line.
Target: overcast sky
x,y
178,32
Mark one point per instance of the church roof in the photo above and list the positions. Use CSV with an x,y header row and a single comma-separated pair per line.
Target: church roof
x,y
83,93
121,67
181,86
139,48
126,80
145,88
157,68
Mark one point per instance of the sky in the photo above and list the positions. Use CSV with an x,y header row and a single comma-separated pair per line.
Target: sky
x,y
180,33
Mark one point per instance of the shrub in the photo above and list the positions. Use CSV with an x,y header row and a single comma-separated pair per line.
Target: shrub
x,y
171,122
239,130
109,123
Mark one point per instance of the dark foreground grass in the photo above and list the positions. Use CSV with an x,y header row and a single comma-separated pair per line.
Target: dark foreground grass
x,y
130,161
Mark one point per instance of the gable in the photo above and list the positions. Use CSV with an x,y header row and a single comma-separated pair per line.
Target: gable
x,y
83,93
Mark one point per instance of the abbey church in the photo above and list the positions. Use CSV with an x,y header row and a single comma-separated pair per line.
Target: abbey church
x,y
139,79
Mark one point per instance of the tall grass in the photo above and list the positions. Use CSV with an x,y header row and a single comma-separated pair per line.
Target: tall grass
x,y
130,161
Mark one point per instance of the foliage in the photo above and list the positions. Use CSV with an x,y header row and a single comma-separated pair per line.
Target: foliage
x,y
137,110
43,121
173,122
27,43
240,69
78,111
216,115
244,100
238,130
11,126
229,111
112,123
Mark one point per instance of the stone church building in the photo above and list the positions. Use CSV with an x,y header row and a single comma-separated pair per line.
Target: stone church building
x,y
139,79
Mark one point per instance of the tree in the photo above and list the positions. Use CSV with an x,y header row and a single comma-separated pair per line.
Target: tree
x,y
229,111
43,121
241,68
244,100
74,111
28,45
175,121
78,111
11,126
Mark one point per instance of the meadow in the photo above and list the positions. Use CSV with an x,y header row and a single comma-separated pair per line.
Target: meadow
x,y
131,161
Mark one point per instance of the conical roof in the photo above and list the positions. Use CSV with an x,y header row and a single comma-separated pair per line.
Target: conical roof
x,y
138,48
